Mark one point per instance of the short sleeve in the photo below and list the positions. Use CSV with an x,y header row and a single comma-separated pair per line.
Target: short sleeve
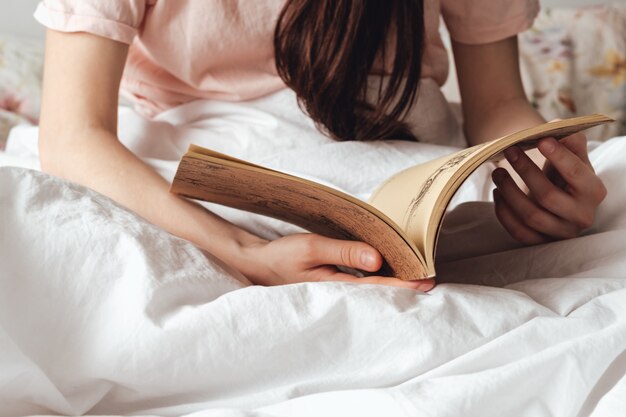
x,y
114,19
485,21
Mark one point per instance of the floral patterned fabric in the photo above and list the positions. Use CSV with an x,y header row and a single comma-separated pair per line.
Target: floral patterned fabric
x,y
21,62
573,63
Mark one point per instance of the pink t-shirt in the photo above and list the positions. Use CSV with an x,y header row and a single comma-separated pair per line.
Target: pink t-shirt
x,y
223,49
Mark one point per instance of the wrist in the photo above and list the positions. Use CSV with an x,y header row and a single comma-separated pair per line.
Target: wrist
x,y
220,238
243,252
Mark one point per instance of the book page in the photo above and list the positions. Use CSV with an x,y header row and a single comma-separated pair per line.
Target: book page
x,y
207,175
416,198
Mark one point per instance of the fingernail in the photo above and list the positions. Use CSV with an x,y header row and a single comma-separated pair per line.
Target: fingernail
x,y
547,146
368,259
426,285
512,154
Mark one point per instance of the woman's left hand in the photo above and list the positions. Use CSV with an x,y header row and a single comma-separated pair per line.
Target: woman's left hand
x,y
562,199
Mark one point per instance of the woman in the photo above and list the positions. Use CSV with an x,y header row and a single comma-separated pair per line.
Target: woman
x,y
324,50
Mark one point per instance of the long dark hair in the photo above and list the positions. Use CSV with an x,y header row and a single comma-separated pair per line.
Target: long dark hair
x,y
325,50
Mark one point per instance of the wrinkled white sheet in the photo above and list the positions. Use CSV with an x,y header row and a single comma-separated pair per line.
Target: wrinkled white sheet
x,y
103,313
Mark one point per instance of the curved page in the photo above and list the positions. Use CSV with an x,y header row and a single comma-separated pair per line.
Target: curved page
x,y
416,198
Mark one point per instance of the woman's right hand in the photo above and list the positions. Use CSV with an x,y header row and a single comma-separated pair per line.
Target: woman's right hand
x,y
309,257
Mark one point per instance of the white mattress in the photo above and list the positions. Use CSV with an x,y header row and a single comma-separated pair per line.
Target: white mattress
x,y
101,312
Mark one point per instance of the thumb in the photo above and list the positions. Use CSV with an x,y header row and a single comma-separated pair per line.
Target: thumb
x,y
358,255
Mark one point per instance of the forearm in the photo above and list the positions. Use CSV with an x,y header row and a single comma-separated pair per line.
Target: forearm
x,y
99,161
492,92
512,115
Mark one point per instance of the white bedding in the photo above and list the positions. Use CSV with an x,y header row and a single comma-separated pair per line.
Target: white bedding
x,y
102,313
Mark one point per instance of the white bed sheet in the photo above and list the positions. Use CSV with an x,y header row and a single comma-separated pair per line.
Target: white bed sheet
x,y
103,313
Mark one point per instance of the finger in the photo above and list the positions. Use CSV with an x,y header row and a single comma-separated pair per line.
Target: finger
x,y
529,213
577,143
513,225
327,251
544,191
579,176
420,285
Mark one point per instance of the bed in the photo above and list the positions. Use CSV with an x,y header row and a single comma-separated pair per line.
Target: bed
x,y
102,313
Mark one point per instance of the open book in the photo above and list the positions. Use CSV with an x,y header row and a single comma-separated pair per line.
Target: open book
x,y
402,218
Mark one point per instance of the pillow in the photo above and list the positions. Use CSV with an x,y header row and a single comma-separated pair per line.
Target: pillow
x,y
574,63
21,64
